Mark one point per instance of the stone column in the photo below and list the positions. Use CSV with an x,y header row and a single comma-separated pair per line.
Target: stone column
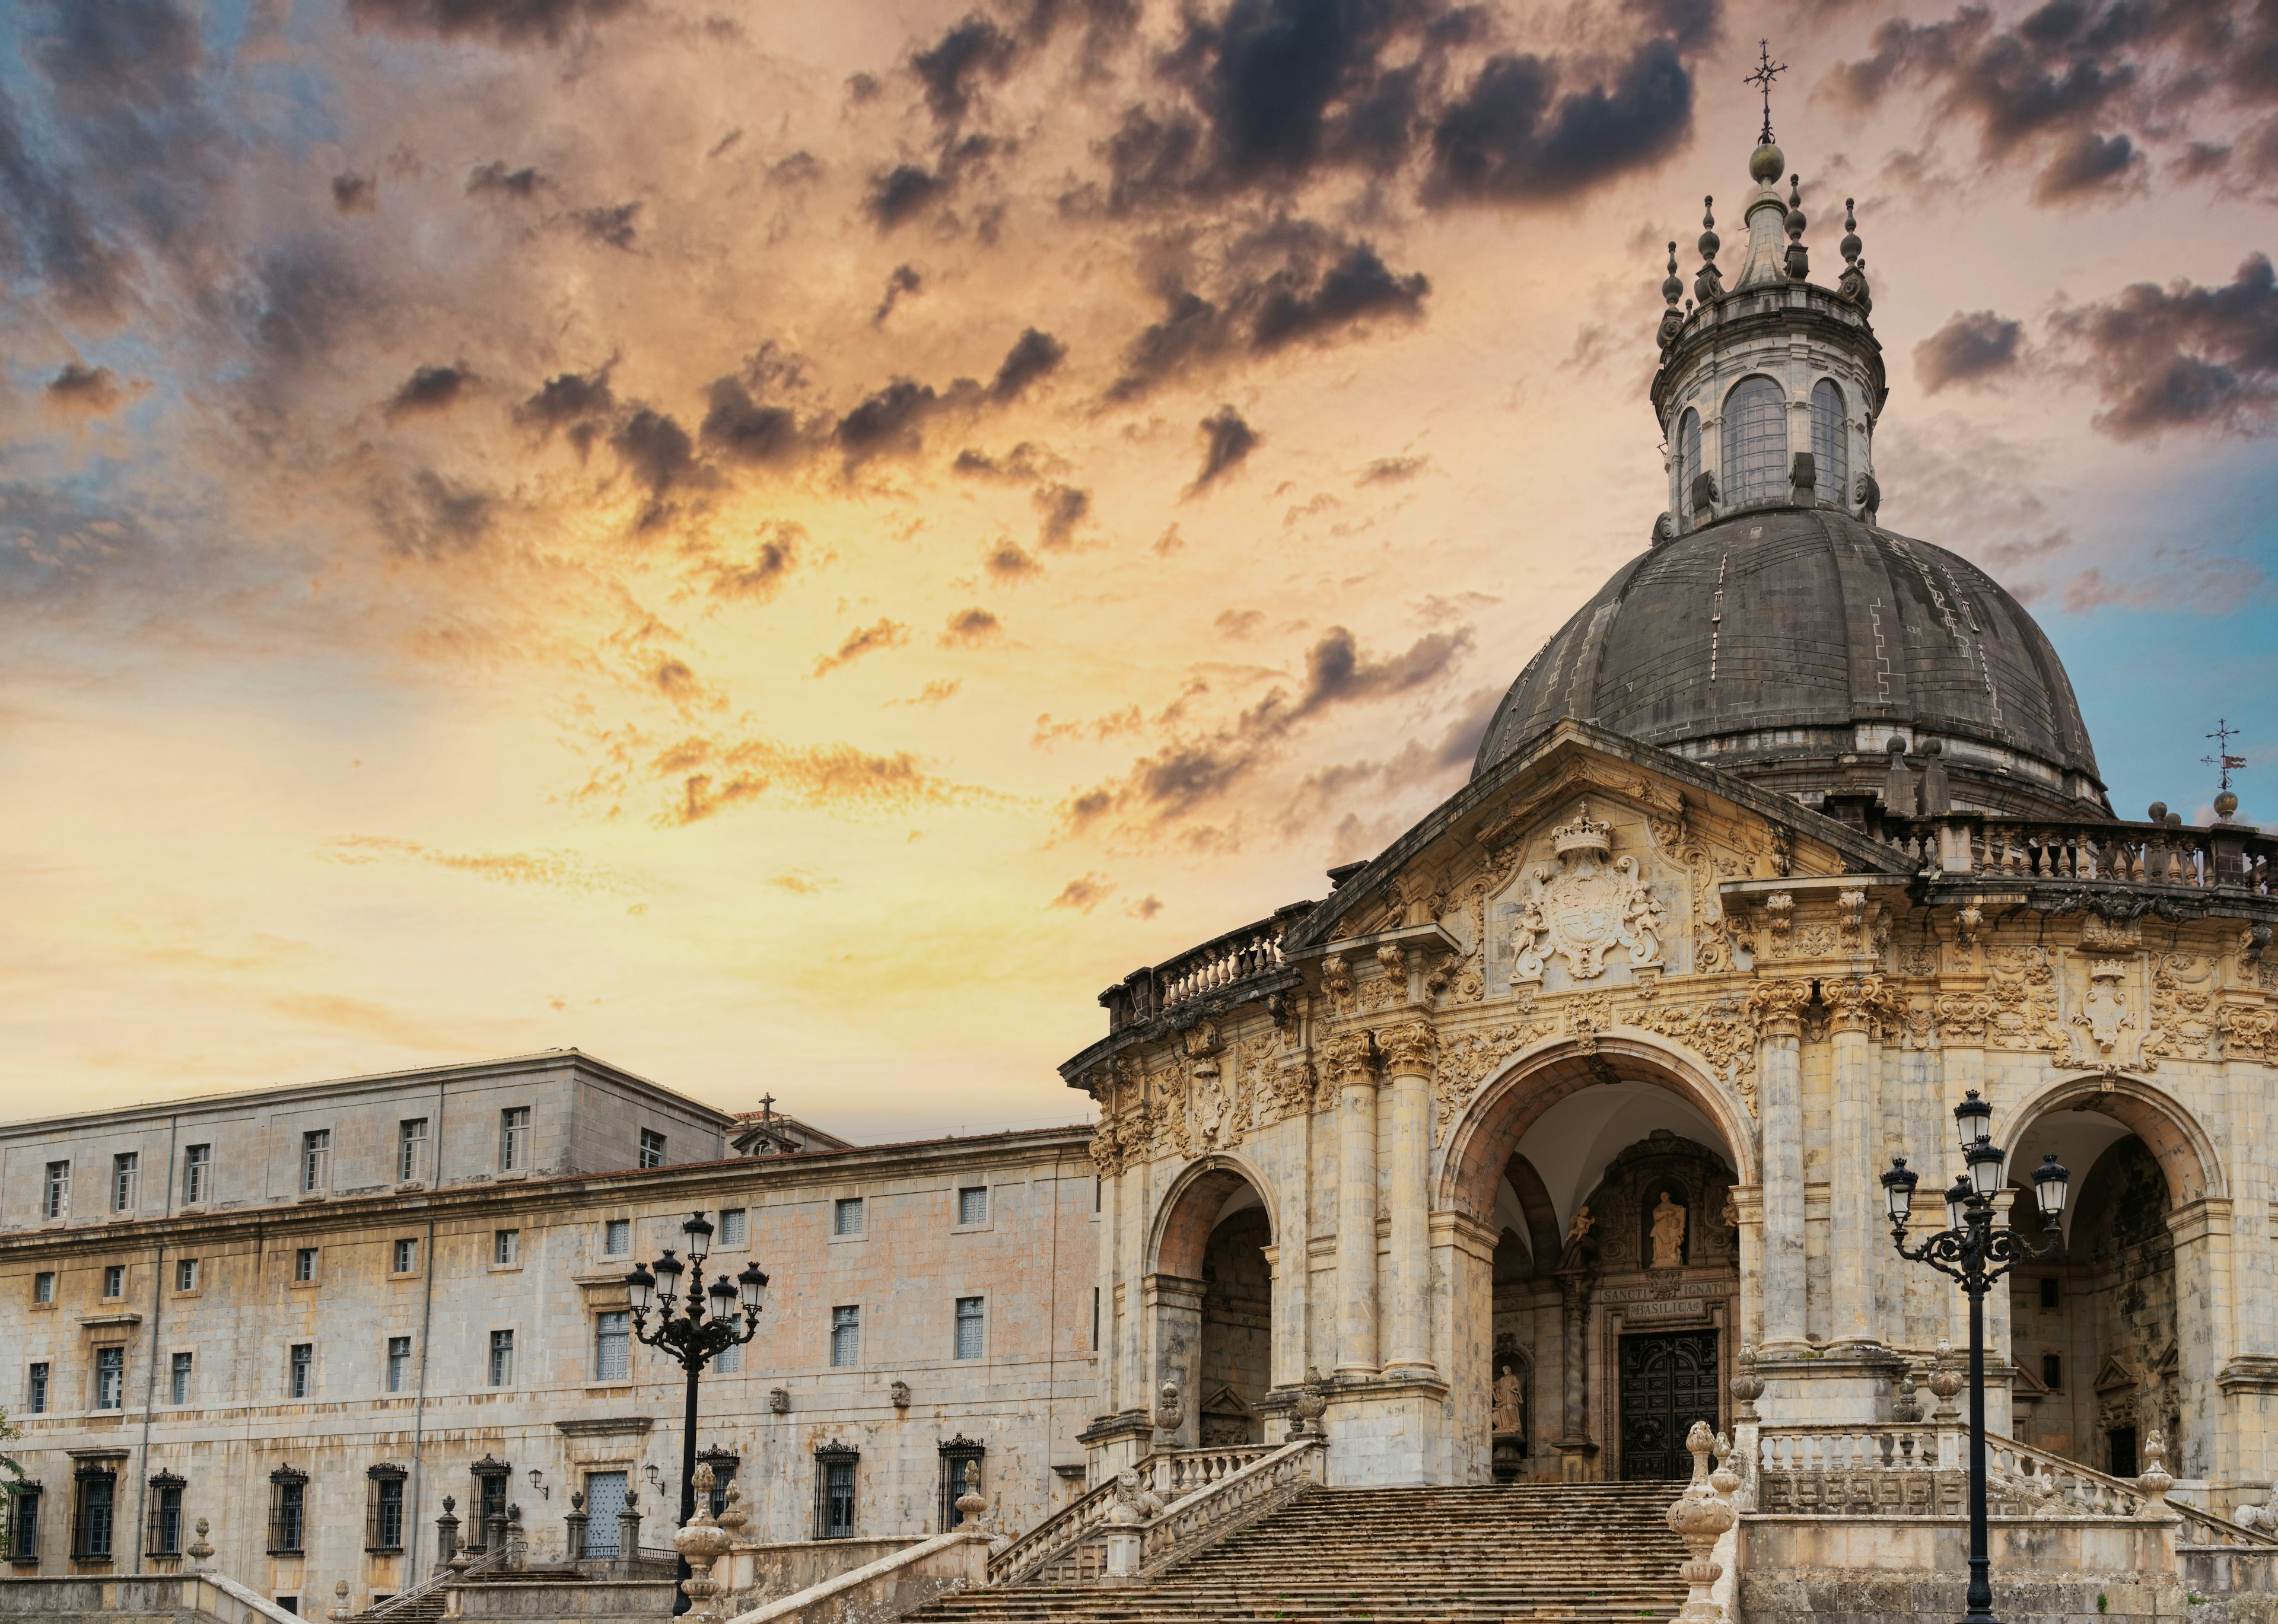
x,y
1109,1369
2203,1275
1352,1063
1853,1197
1574,1445
1408,1052
1293,1262
1778,1007
629,1521
1133,1211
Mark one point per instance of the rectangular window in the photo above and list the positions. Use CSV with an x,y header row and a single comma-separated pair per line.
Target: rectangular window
x,y
288,1513
197,1174
514,1139
383,1514
613,1346
972,1338
411,1150
652,1148
186,1274
407,1256
616,1238
2048,1292
44,1286
163,1536
834,1496
846,1215
1094,1319
93,1527
501,1359
846,1336
1098,1183
114,1280
35,1396
55,1196
301,1370
973,1205
505,1246
735,1227
24,1526
289,1604
399,1363
111,1378
2053,1371
730,1359
304,1265
316,1160
178,1380
125,1178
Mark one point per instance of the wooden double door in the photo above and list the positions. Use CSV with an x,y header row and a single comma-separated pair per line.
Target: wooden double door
x,y
1668,1381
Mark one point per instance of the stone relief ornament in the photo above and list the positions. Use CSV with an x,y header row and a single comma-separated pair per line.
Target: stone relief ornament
x,y
2103,1019
1337,983
1465,1060
2183,1012
2022,994
1723,1031
1584,906
2248,1031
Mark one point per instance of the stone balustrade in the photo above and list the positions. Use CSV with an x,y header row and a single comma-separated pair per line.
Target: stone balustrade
x,y
1248,1492
1220,963
2225,856
1171,1473
1181,1472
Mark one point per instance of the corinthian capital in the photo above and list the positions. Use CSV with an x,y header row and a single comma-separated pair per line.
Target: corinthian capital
x,y
1349,1058
1778,1007
1858,1003
1409,1049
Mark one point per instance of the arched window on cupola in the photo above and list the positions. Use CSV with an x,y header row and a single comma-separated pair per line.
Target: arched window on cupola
x,y
1688,465
1830,443
1756,443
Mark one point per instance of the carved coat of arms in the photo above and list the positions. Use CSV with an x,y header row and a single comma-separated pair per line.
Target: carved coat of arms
x,y
1585,905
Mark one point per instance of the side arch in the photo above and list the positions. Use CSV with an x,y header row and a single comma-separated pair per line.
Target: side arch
x,y
1189,1207
1511,1100
2184,1150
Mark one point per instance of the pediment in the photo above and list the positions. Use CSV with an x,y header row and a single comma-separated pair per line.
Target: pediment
x,y
2024,1386
1226,1401
2113,1375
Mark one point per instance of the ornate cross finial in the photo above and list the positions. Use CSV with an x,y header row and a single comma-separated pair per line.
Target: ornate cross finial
x,y
1767,71
2222,760
767,1107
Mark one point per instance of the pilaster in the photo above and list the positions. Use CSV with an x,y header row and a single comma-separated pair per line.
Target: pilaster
x,y
1352,1066
1779,1097
1408,1050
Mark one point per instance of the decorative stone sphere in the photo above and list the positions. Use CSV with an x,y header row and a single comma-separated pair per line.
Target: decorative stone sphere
x,y
1767,164
2224,804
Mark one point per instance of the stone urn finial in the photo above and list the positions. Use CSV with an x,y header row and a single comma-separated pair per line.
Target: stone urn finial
x,y
340,1608
2154,1480
1167,1412
1747,1386
733,1517
702,1541
1699,1518
1946,1380
972,1502
201,1552
1313,1403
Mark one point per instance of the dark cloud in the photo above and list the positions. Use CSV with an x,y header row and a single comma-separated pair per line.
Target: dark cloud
x,y
658,453
81,391
968,627
579,404
305,296
2183,356
496,22
1026,462
1007,562
610,225
496,180
1059,509
769,566
702,776
1227,441
897,192
1978,345
355,193
1085,893
1514,137
886,634
47,231
797,169
1193,330
973,49
1239,622
904,282
888,420
432,518
430,389
1353,289
749,431
1034,355
2088,163
1392,470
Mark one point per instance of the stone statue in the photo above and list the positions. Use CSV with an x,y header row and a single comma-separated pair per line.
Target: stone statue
x,y
1509,1402
1581,1225
1668,1233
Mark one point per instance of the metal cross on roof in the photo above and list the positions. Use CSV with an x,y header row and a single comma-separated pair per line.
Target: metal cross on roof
x,y
767,1107
2222,760
1767,71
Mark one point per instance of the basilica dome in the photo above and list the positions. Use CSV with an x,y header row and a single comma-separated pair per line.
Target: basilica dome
x,y
1792,645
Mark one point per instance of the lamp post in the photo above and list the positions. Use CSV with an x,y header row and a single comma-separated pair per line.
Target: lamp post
x,y
1971,1251
692,1336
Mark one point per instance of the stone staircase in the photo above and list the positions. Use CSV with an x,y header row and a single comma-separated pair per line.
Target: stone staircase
x,y
1589,1552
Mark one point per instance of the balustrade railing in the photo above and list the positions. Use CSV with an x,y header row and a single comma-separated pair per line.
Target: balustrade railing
x,y
1172,1473
2225,856
1241,1496
1223,962
1902,1470
1181,1472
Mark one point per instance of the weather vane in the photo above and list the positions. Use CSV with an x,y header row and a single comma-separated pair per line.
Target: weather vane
x,y
1767,71
2222,760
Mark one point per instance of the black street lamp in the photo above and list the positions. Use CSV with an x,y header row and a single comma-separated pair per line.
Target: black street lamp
x,y
1970,1250
692,1337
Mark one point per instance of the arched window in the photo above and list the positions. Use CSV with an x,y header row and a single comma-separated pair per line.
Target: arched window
x,y
1688,464
1830,443
1756,443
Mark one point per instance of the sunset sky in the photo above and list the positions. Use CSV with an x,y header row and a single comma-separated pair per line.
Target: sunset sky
x,y
788,545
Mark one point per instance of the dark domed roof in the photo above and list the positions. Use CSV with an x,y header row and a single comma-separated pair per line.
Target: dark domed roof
x,y
1789,644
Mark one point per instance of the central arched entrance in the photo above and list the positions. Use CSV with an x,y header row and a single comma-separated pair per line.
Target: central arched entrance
x,y
1607,1177
1214,1295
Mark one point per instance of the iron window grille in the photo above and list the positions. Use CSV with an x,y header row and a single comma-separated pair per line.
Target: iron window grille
x,y
735,1227
54,1198
23,1541
514,1139
723,1464
972,1329
492,1477
954,1455
616,1238
833,1492
612,1346
125,1180
411,1150
399,1362
316,1160
383,1508
652,1148
95,1522
178,1380
300,1369
729,1360
846,1215
109,1378
288,1511
973,1205
845,1336
197,1173
162,1535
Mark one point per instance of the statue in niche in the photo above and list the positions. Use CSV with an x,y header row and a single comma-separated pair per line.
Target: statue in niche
x,y
1581,1229
1509,1413
1668,1233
